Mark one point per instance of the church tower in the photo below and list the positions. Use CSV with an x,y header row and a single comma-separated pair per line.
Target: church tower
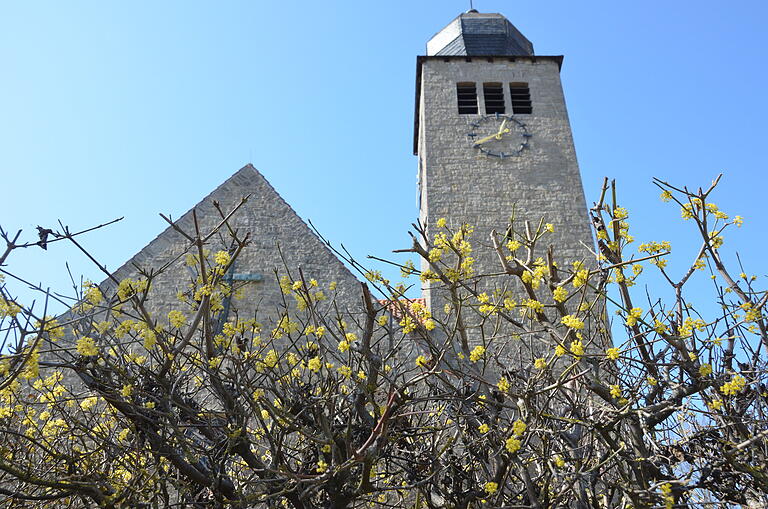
x,y
492,136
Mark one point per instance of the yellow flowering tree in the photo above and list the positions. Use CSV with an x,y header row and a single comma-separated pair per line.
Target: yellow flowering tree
x,y
626,398
550,383
113,404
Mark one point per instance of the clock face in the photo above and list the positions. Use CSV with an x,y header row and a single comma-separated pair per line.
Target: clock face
x,y
499,136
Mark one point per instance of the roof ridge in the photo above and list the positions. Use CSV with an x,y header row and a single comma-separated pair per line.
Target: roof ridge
x,y
157,244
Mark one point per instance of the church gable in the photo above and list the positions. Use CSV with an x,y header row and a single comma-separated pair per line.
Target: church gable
x,y
280,241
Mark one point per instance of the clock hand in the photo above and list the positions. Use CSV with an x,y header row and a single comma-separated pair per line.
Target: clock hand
x,y
487,138
496,136
501,129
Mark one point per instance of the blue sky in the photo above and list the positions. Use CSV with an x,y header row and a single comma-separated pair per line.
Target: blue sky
x,y
129,109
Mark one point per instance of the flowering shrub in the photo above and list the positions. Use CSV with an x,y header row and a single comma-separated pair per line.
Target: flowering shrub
x,y
525,392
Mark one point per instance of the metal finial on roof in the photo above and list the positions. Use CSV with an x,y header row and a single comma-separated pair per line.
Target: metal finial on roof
x,y
471,6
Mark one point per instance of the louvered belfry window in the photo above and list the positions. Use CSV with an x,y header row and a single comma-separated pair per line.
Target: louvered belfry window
x,y
467,96
521,98
493,93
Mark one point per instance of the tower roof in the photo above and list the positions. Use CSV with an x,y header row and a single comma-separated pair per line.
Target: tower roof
x,y
475,33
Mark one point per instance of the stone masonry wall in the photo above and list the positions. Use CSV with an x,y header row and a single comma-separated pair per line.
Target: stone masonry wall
x,y
460,184
272,224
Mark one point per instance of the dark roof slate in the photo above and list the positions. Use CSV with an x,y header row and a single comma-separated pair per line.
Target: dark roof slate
x,y
474,33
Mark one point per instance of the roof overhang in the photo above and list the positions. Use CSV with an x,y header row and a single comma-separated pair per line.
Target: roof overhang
x,y
490,58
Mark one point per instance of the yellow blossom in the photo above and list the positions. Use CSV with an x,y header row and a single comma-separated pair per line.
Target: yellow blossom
x,y
532,305
541,363
476,353
491,487
86,347
581,278
51,327
503,384
483,428
314,364
8,308
715,240
221,258
633,316
89,403
150,339
613,353
512,444
734,386
177,319
686,211
92,293
271,359
573,322
518,428
435,254
577,348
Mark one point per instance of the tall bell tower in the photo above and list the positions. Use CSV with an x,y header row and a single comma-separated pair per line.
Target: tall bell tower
x,y
492,135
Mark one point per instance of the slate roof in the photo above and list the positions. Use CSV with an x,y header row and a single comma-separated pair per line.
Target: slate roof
x,y
475,33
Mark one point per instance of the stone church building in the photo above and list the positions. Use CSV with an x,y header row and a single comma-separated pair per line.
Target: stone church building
x,y
492,136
